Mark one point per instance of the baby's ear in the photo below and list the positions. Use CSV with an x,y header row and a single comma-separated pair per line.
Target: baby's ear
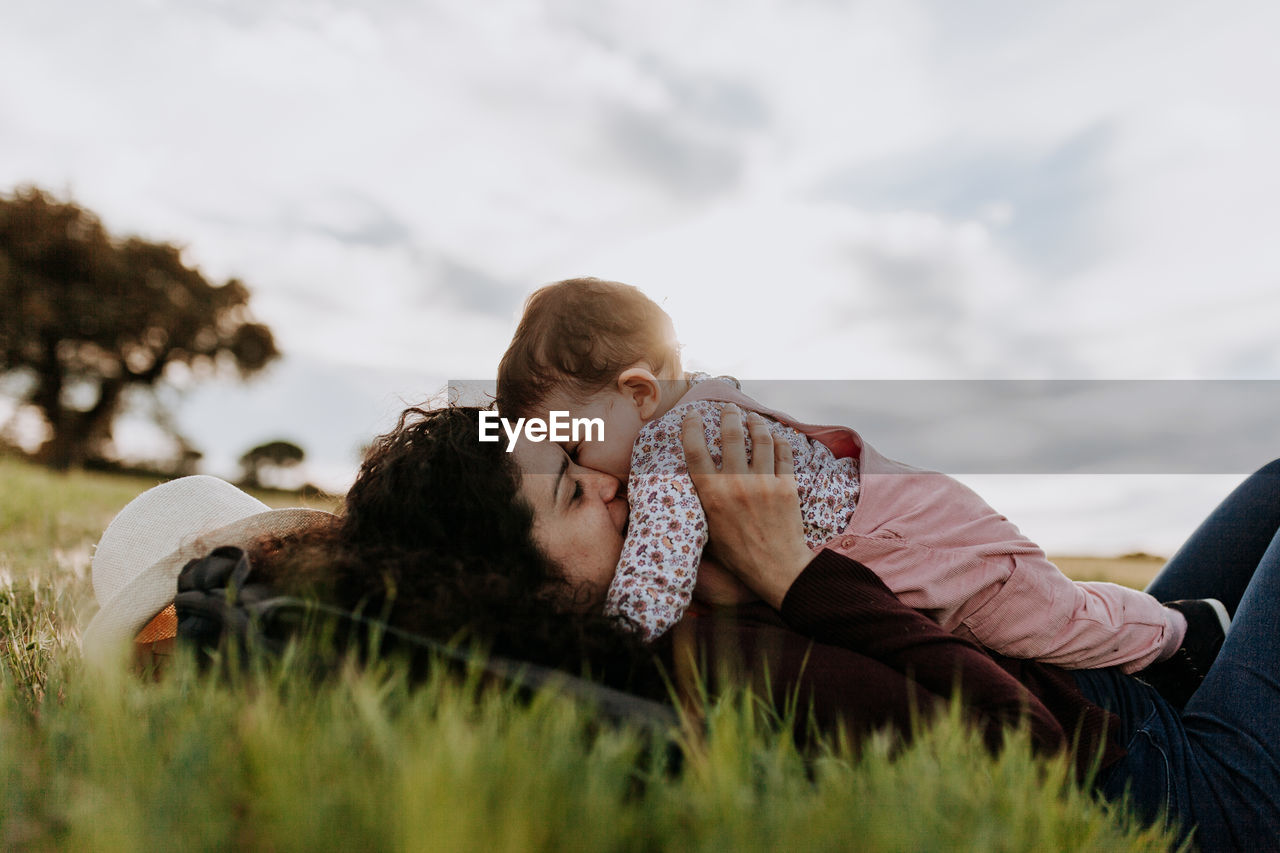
x,y
641,387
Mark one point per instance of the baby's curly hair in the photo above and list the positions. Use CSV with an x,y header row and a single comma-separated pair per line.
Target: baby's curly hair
x,y
576,336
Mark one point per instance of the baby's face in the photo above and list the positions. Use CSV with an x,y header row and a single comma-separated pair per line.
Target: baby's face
x,y
622,423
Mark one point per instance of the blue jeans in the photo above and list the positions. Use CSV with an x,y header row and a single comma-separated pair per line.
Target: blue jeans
x,y
1215,766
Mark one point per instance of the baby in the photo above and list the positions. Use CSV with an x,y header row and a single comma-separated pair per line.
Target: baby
x,y
600,349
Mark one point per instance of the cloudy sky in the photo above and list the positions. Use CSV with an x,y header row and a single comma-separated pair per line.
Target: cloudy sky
x,y
824,190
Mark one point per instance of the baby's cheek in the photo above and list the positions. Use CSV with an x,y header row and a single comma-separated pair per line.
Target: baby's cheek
x,y
620,460
605,456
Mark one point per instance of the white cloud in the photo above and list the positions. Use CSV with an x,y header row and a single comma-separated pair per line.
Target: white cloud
x,y
811,189
795,289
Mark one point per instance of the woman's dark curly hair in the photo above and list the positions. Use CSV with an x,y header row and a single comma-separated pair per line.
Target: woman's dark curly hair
x,y
436,540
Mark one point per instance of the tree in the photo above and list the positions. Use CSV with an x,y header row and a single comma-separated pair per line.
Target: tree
x,y
86,316
272,456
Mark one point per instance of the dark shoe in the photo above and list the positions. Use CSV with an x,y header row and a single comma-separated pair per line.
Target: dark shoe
x,y
1179,676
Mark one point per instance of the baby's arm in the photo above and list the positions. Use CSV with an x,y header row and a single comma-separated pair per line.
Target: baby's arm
x,y
1040,613
946,551
667,531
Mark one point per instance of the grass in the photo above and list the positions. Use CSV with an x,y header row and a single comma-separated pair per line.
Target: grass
x,y
106,761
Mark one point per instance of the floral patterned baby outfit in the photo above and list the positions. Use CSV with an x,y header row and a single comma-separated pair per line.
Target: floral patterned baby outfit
x,y
667,529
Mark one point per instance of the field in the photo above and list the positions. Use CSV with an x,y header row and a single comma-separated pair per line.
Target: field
x,y
1135,570
107,761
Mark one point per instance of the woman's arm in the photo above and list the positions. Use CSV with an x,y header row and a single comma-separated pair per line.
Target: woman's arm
x,y
755,526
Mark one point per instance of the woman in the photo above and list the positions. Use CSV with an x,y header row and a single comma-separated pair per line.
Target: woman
x,y
444,535
823,624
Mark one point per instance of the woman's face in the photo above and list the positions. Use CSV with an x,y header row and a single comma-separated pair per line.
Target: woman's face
x,y
579,516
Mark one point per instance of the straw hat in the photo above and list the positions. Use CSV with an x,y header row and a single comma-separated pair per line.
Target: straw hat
x,y
137,562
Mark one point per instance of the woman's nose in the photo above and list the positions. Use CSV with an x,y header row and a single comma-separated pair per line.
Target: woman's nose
x,y
605,485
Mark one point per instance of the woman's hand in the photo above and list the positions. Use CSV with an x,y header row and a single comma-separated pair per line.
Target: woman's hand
x,y
753,509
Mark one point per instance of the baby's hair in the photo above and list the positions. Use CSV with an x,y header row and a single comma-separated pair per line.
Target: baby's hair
x,y
576,336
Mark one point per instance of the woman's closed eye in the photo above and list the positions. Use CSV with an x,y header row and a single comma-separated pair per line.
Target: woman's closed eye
x,y
577,491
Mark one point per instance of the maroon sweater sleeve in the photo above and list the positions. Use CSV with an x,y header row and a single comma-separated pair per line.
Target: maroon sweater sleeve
x,y
825,684
840,602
